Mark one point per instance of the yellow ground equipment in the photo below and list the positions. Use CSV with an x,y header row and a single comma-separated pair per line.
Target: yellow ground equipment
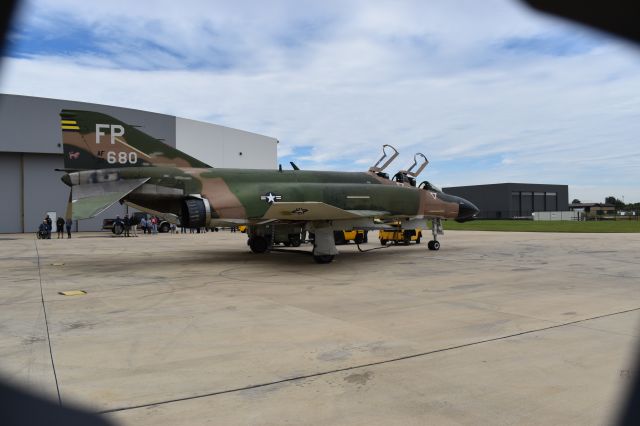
x,y
358,236
399,235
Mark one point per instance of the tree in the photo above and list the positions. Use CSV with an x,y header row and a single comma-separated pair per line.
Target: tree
x,y
576,201
614,201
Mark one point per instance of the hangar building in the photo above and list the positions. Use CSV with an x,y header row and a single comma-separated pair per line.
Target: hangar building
x,y
513,200
31,150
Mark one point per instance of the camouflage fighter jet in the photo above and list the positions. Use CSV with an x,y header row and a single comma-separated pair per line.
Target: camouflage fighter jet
x,y
107,161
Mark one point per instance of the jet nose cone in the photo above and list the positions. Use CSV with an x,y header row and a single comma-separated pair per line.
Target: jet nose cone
x,y
467,211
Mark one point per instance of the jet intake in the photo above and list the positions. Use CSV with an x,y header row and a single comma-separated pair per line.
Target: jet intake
x,y
196,212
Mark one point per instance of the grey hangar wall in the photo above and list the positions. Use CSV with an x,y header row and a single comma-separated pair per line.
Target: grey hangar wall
x,y
513,200
31,150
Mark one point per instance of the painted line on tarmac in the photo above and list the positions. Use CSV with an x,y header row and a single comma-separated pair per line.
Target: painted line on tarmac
x,y
46,323
370,364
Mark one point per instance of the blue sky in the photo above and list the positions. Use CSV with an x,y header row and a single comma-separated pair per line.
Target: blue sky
x,y
490,91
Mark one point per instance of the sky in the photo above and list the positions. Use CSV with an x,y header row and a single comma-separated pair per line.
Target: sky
x,y
489,91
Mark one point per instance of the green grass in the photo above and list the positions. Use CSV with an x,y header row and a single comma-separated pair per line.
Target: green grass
x,y
545,226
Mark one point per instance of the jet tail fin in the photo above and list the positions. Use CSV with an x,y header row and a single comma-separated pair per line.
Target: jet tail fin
x,y
92,140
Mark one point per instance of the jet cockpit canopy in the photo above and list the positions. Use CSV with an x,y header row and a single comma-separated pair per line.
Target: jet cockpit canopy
x,y
379,169
409,176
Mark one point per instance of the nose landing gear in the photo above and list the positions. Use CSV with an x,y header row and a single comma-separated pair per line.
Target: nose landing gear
x,y
436,229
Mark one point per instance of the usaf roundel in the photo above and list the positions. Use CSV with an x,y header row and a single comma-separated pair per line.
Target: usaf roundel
x,y
270,197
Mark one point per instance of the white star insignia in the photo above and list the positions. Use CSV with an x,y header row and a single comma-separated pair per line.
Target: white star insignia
x,y
270,197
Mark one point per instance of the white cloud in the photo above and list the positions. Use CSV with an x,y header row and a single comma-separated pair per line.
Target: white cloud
x,y
344,78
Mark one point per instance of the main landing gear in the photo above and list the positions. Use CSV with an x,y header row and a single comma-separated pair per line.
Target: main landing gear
x,y
323,258
436,229
258,244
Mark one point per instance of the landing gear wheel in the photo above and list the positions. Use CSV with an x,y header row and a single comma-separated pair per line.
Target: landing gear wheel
x,y
323,258
258,244
295,241
383,242
434,245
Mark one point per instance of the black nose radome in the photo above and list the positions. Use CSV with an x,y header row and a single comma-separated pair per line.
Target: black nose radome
x,y
467,211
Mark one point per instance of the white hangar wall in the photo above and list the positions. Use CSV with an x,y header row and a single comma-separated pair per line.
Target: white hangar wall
x,y
224,147
31,150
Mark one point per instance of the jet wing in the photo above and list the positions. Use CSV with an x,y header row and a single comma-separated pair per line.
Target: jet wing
x,y
315,210
91,199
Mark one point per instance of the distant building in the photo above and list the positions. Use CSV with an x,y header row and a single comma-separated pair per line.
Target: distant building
x,y
31,150
513,200
593,209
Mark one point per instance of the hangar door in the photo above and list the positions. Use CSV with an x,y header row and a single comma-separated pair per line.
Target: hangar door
x,y
10,184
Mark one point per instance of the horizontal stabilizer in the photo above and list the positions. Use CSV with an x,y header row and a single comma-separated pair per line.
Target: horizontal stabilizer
x,y
92,199
313,210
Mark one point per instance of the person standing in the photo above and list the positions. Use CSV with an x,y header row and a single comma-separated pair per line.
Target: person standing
x,y
154,225
143,224
60,227
49,226
127,225
134,225
68,224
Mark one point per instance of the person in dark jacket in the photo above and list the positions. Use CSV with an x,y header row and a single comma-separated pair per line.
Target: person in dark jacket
x,y
43,230
60,227
127,225
49,226
68,224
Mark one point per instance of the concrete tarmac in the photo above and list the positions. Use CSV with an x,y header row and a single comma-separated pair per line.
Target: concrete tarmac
x,y
495,328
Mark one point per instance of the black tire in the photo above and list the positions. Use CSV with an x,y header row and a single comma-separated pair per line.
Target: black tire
x,y
383,242
359,239
258,244
323,258
118,229
406,238
338,237
164,228
434,245
287,243
295,241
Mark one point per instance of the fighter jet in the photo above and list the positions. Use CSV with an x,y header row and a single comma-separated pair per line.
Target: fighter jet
x,y
108,161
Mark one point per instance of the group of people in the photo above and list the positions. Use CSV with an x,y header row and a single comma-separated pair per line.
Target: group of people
x,y
149,225
45,228
130,225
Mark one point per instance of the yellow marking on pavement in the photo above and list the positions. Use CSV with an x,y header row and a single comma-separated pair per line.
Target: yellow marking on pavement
x,y
73,293
70,127
68,122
